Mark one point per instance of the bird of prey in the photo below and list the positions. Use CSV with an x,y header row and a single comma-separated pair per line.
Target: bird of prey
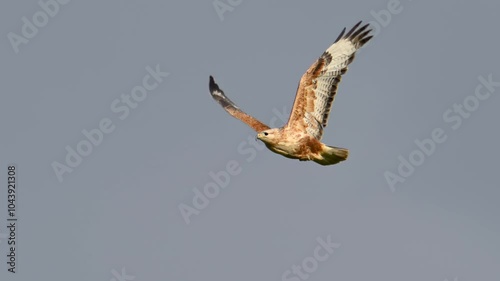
x,y
300,138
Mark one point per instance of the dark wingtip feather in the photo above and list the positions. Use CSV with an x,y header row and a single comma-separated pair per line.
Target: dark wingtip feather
x,y
363,35
218,95
212,85
357,32
364,40
353,29
340,35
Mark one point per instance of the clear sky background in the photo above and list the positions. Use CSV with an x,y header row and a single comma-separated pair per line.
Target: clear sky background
x,y
117,214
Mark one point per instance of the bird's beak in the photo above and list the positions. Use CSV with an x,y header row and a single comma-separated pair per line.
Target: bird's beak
x,y
259,136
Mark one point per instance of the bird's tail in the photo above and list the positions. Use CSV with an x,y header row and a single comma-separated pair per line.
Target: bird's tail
x,y
332,155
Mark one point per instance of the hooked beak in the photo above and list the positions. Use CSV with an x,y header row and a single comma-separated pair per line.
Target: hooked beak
x,y
259,136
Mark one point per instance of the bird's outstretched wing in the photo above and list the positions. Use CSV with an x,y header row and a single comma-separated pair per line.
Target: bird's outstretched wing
x,y
234,110
317,87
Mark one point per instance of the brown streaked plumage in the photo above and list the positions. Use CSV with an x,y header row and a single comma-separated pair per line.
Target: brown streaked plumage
x,y
301,137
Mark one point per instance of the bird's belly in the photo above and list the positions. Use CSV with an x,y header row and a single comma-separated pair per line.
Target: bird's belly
x,y
289,150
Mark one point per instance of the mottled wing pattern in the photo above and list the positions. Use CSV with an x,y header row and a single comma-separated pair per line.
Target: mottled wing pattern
x,y
234,110
318,86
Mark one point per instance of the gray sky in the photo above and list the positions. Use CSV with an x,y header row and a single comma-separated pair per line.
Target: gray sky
x,y
395,210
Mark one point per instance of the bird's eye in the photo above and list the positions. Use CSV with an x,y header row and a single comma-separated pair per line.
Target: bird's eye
x,y
265,134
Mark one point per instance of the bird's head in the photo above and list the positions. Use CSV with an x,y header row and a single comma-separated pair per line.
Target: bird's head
x,y
269,136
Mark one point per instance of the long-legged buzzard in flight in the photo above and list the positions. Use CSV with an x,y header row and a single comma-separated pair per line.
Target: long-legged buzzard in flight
x,y
300,138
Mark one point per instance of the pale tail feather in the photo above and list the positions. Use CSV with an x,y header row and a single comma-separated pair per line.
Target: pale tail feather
x,y
332,155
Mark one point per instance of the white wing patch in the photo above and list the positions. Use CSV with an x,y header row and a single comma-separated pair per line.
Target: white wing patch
x,y
325,89
337,58
314,127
